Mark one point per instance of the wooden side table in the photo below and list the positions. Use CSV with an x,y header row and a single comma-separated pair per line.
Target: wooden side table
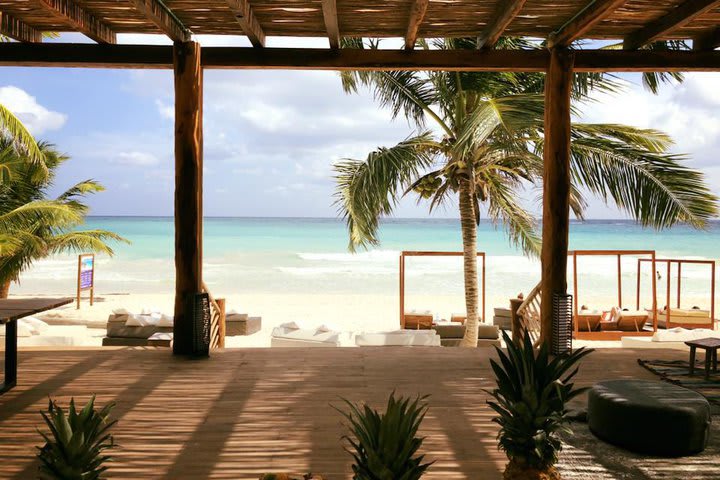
x,y
710,345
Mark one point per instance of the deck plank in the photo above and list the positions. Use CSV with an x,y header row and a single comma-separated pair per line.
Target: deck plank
x,y
243,412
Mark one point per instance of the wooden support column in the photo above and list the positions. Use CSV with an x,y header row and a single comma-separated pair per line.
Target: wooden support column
x,y
188,188
556,183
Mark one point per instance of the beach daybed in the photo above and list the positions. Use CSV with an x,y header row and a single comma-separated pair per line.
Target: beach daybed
x,y
399,338
241,324
415,320
452,333
687,318
674,338
135,328
291,335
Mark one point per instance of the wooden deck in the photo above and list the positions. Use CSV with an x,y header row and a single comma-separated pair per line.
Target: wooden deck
x,y
243,412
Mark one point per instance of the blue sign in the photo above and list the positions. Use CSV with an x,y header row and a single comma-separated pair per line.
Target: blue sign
x,y
86,272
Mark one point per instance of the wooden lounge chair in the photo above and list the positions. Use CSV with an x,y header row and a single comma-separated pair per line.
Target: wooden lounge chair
x,y
589,320
418,320
631,321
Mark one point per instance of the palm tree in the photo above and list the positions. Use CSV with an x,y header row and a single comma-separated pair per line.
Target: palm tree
x,y
33,226
11,128
485,149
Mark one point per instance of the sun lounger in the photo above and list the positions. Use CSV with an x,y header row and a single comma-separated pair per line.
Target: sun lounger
x,y
687,318
451,334
291,335
631,321
130,325
674,338
589,320
399,338
415,320
241,324
502,318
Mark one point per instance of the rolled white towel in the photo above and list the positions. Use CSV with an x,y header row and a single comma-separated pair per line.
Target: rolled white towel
x,y
121,311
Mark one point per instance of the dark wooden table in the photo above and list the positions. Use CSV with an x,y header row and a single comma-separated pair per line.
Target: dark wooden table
x,y
11,310
710,345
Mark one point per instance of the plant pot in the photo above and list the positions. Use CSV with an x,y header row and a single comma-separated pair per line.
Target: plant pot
x,y
516,471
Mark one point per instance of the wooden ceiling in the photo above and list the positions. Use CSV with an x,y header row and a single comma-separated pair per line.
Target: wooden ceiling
x,y
637,22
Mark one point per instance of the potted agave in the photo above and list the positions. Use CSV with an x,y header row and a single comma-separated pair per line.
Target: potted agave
x,y
75,447
385,445
530,398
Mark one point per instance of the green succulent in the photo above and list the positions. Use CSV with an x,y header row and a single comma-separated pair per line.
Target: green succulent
x,y
530,398
385,445
74,449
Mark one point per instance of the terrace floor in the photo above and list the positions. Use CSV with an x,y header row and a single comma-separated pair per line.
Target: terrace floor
x,y
243,412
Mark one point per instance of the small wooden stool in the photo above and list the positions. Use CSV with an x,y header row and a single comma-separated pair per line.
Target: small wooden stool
x,y
710,345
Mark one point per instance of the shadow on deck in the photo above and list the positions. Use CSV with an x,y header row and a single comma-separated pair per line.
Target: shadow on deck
x,y
244,412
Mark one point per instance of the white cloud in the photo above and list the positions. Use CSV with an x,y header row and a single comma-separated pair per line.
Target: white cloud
x,y
166,110
36,118
137,159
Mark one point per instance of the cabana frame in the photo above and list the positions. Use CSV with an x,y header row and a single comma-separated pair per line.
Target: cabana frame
x,y
668,275
405,254
618,254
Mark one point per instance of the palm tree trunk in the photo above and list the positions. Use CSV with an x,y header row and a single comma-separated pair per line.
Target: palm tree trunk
x,y
469,238
4,289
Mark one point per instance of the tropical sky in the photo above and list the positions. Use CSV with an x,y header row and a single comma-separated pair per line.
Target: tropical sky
x,y
271,137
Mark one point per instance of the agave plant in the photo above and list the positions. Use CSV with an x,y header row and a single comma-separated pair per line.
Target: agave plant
x,y
530,399
385,445
74,449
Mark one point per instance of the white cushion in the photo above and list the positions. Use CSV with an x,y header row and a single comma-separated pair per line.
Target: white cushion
x,y
289,326
405,338
121,311
24,329
679,334
135,320
303,336
149,311
37,325
166,321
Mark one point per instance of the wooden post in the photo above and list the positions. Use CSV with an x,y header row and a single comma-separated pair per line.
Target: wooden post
x,y
556,183
221,322
516,325
188,188
402,290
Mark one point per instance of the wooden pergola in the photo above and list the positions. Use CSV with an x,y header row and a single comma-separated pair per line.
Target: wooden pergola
x,y
636,23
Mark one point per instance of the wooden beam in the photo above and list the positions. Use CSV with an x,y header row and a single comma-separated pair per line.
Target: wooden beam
x,y
556,185
506,11
18,30
677,18
709,40
330,16
162,16
81,20
595,12
417,14
188,189
248,22
242,58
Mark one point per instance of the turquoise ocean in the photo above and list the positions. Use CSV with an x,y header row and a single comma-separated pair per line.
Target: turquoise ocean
x,y
310,256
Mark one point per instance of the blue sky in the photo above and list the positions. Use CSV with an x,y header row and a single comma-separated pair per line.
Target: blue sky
x,y
271,137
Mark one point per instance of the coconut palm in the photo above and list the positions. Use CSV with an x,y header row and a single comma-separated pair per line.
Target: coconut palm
x,y
33,226
485,149
11,128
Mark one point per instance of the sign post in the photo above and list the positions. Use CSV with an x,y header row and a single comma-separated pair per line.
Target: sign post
x,y
86,276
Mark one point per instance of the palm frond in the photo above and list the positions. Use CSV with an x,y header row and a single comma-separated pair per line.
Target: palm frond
x,y
369,189
630,167
12,127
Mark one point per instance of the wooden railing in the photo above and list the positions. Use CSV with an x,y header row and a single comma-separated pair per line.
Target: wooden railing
x,y
217,320
529,314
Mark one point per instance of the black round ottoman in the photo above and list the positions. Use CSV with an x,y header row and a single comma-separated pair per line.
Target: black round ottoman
x,y
655,418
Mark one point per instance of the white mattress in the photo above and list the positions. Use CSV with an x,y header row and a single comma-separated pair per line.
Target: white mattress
x,y
284,336
399,338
